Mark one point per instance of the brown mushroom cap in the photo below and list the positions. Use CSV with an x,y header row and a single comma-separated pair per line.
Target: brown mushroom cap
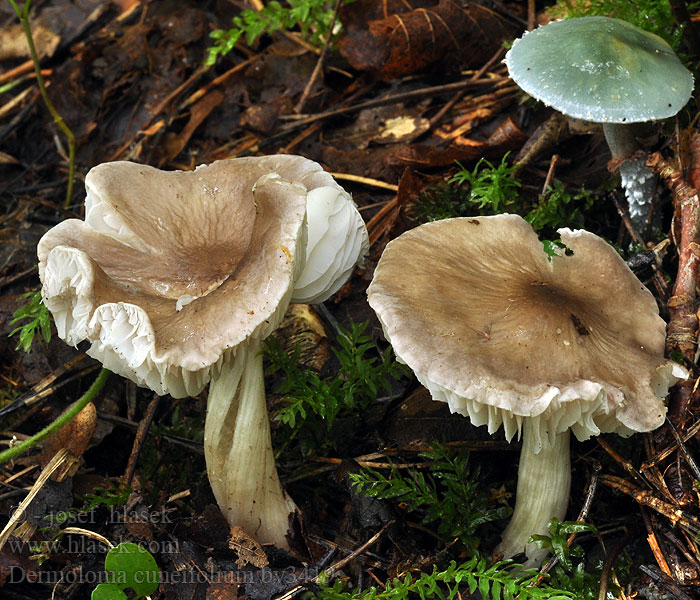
x,y
490,325
170,271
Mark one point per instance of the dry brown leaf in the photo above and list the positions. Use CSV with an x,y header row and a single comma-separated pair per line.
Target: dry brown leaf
x,y
302,330
248,549
448,33
75,436
13,42
198,113
7,159
223,590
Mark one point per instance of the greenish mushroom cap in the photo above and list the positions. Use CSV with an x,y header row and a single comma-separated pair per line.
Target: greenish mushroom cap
x,y
600,69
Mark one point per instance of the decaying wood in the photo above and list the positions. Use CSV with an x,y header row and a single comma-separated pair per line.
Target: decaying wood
x,y
682,333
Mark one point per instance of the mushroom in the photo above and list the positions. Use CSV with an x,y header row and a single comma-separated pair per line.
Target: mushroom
x,y
175,278
606,71
506,337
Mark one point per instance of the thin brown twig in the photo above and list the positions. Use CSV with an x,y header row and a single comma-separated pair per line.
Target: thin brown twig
x,y
140,439
658,281
299,138
626,465
665,581
335,567
654,545
646,498
531,15
684,450
690,433
550,173
319,63
160,108
610,561
394,99
436,118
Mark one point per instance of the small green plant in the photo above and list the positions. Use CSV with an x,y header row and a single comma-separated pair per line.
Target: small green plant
x,y
554,248
651,15
39,321
491,189
566,574
500,581
130,567
23,16
311,405
313,17
559,208
113,496
557,542
441,201
449,494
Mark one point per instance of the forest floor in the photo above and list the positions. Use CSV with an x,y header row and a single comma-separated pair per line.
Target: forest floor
x,y
411,94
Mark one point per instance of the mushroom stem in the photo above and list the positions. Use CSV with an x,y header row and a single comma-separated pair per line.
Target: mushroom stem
x,y
544,481
638,180
238,450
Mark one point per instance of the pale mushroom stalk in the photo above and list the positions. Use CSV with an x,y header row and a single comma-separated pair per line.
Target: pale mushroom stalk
x,y
544,483
608,71
238,450
176,278
636,177
510,338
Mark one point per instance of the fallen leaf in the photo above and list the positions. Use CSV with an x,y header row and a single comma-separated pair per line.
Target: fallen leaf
x,y
13,42
248,549
200,111
75,435
448,32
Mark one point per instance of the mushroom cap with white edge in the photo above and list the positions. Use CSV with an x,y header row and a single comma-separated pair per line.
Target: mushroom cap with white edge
x,y
498,331
171,271
600,69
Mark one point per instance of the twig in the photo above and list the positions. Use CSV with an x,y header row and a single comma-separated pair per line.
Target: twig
x,y
683,324
665,581
659,556
299,138
610,561
139,440
664,453
58,459
631,229
684,451
394,99
41,388
319,63
366,181
531,14
435,119
626,465
659,283
550,173
646,498
161,107
196,447
334,568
